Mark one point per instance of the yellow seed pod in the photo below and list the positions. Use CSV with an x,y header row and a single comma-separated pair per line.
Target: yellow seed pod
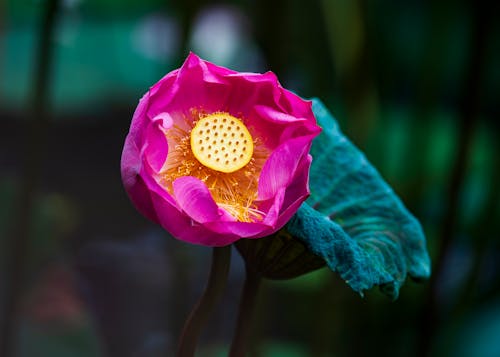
x,y
221,142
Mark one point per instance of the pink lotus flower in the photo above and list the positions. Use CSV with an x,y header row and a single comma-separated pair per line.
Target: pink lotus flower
x,y
215,155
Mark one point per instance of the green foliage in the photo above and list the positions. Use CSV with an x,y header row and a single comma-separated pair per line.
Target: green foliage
x,y
279,256
358,224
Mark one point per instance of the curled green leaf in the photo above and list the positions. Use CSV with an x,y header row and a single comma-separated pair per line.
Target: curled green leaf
x,y
354,220
279,256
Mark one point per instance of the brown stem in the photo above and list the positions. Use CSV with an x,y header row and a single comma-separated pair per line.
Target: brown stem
x,y
217,279
244,325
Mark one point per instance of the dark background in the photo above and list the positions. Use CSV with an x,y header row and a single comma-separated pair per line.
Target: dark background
x,y
415,84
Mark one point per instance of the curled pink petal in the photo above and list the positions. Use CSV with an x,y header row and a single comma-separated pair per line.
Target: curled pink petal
x,y
195,200
239,229
276,116
281,167
184,228
133,182
156,147
296,193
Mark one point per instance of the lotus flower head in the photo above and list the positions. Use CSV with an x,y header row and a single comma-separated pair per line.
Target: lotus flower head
x,y
215,155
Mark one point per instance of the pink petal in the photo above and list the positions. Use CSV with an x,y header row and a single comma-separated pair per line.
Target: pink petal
x,y
174,93
280,167
210,73
134,185
239,229
296,193
139,120
253,229
166,81
162,94
249,89
155,150
273,212
182,227
198,85
276,116
253,77
297,106
195,200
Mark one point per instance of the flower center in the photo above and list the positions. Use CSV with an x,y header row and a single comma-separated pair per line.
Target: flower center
x,y
221,142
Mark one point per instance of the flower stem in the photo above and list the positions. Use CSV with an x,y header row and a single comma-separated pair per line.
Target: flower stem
x,y
244,326
217,279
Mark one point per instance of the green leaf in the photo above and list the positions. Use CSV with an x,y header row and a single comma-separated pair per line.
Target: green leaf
x,y
354,220
279,256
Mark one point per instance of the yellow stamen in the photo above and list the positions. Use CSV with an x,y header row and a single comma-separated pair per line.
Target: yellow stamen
x,y
235,191
222,142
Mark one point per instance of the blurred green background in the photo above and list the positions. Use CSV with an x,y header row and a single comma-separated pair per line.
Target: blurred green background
x,y
415,84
